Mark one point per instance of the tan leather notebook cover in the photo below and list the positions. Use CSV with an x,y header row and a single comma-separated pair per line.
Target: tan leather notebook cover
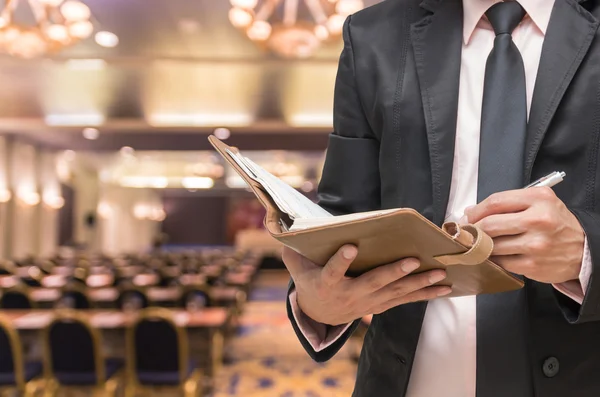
x,y
463,251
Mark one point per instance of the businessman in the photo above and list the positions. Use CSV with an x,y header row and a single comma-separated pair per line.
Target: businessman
x,y
451,107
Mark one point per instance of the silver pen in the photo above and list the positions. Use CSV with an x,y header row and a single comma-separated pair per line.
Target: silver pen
x,y
548,180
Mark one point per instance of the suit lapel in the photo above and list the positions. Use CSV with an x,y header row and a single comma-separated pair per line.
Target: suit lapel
x,y
568,38
437,46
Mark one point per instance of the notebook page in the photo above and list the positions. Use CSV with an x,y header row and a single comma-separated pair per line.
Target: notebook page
x,y
241,161
301,224
288,199
300,205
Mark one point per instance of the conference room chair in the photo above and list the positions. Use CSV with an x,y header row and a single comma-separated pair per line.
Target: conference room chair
x,y
73,356
132,298
165,364
74,296
196,298
16,297
15,373
7,268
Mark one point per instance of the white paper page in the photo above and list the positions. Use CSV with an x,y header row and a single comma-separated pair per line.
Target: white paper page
x,y
288,199
301,224
301,206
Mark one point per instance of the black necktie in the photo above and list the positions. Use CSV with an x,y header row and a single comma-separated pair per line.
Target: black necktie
x,y
503,366
504,112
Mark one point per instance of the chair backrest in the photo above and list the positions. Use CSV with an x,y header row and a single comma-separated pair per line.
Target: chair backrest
x,y
73,346
132,299
74,298
11,352
196,298
16,298
156,343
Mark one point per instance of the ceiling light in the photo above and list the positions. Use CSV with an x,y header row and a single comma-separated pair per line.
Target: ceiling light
x,y
58,32
51,3
104,210
156,182
157,215
285,28
56,25
30,198
5,195
69,155
127,151
347,7
249,4
335,24
74,119
222,133
311,120
75,11
107,39
307,186
91,133
240,18
200,119
197,182
259,31
188,25
54,201
81,29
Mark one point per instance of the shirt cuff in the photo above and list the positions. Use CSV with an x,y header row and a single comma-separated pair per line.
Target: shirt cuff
x,y
576,289
319,335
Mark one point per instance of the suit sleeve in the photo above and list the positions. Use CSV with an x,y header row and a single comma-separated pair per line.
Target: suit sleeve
x,y
350,181
589,309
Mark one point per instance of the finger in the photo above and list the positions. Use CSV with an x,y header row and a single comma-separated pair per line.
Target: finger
x,y
378,278
407,285
509,245
501,203
335,269
503,224
517,264
424,294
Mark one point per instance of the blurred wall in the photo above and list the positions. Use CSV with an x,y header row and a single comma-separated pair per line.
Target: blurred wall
x,y
28,224
85,183
4,221
119,228
24,229
48,217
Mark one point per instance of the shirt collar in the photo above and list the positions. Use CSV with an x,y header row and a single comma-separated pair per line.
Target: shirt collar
x,y
538,10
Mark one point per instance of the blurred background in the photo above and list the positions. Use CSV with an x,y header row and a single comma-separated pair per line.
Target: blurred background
x,y
133,260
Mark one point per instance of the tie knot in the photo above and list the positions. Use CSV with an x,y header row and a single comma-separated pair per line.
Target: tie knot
x,y
505,16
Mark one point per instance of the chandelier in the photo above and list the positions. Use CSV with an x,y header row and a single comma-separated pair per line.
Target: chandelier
x,y
57,24
292,28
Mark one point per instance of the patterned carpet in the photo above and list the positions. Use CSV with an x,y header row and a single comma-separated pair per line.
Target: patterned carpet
x,y
266,359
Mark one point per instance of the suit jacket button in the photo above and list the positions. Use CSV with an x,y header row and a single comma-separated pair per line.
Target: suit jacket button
x,y
550,367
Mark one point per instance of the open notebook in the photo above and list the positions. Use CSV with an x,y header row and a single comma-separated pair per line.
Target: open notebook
x,y
382,237
302,212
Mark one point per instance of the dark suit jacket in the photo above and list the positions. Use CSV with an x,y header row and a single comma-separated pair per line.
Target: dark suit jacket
x,y
395,119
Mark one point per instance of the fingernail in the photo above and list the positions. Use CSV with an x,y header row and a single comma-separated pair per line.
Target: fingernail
x,y
437,277
469,208
464,220
444,291
409,265
349,252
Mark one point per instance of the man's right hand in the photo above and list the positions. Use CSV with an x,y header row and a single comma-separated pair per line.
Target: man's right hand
x,y
327,296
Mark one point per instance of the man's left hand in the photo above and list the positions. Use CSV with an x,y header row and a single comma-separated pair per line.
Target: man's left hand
x,y
534,234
